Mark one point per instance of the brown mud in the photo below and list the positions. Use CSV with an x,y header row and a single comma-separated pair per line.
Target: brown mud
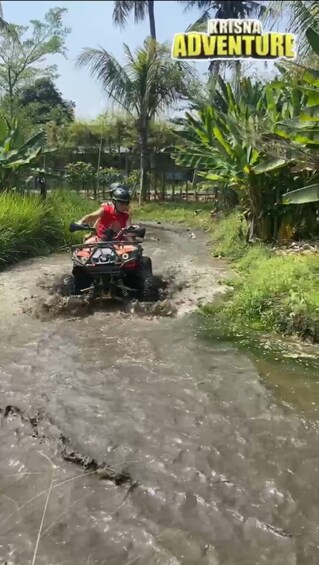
x,y
125,439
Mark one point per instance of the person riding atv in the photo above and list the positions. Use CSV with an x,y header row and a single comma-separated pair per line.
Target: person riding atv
x,y
113,216
110,262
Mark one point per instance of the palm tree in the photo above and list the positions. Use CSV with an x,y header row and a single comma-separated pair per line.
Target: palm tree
x,y
3,23
223,9
140,8
149,83
302,15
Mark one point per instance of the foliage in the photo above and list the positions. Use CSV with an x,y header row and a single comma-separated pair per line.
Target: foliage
x,y
228,236
224,9
68,207
313,39
187,213
42,102
277,293
3,23
29,227
149,83
19,156
302,14
221,143
140,8
241,140
110,175
300,133
21,57
80,175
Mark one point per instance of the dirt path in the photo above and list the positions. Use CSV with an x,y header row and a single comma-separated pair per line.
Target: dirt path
x,y
126,440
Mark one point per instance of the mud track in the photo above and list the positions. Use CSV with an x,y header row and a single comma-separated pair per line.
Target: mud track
x,y
126,440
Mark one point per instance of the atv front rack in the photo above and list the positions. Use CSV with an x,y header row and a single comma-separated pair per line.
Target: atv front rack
x,y
103,244
99,268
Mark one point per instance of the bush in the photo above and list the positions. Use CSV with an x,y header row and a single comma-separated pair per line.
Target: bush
x,y
29,227
228,236
277,293
69,207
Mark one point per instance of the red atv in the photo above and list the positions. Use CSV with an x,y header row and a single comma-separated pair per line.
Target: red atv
x,y
113,266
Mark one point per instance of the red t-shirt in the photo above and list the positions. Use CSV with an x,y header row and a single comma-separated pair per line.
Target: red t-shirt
x,y
111,218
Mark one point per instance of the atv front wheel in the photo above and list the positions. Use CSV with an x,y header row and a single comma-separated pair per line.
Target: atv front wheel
x,y
146,266
68,287
82,280
149,291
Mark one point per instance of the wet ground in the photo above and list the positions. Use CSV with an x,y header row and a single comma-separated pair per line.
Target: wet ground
x,y
127,439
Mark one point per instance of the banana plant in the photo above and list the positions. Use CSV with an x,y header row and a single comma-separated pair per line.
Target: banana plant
x,y
300,131
18,156
221,141
225,143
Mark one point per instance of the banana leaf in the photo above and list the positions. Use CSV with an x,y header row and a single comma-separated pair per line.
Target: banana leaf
x,y
313,38
267,166
302,195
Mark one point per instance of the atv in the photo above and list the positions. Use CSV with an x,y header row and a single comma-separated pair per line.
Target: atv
x,y
112,266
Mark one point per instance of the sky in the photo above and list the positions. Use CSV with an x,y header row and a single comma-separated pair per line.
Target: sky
x,y
92,26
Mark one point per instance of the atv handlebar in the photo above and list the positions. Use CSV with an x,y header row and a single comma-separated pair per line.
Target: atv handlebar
x,y
79,227
135,231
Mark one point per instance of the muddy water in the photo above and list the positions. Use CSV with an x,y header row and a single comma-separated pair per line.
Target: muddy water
x,y
126,439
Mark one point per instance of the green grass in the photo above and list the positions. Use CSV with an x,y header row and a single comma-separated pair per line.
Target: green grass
x,y
194,214
227,236
29,228
70,207
268,292
275,293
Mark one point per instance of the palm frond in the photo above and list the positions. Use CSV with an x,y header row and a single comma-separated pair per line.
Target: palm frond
x,y
149,81
124,8
121,12
113,77
201,4
200,24
3,23
302,14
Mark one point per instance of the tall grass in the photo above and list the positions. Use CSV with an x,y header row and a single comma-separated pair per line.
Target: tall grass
x,y
280,293
270,292
30,228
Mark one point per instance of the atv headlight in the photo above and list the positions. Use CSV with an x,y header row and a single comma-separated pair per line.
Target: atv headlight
x,y
125,256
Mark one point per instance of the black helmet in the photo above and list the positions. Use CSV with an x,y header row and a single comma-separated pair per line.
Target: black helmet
x,y
120,193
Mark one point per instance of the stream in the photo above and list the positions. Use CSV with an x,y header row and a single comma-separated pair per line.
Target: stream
x,y
128,438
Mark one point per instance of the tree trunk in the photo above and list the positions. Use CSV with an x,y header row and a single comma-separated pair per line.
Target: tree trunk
x,y
143,166
194,187
152,18
214,67
261,225
10,96
238,76
97,186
